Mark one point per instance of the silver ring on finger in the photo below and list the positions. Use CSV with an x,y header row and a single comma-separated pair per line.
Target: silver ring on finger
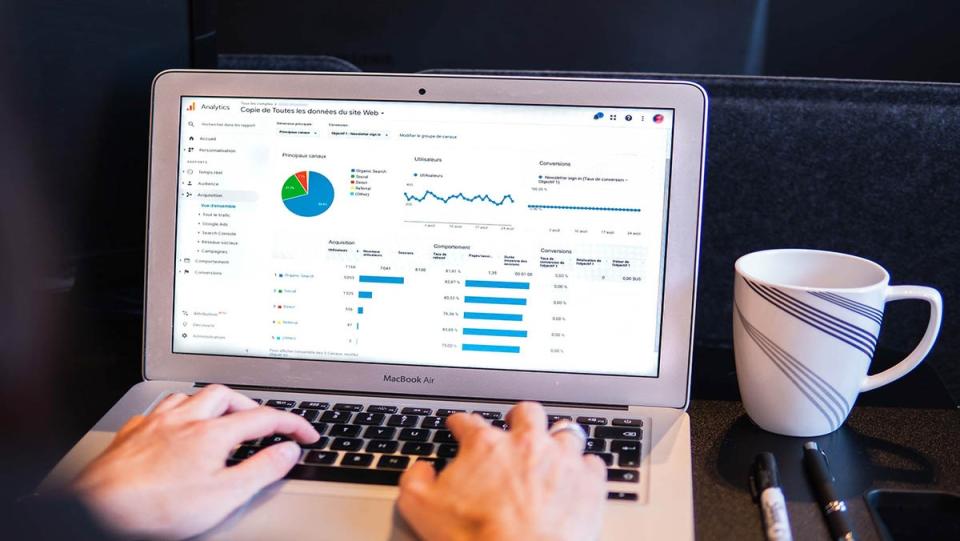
x,y
564,425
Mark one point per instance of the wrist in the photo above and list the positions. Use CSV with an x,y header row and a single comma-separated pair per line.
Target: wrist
x,y
105,505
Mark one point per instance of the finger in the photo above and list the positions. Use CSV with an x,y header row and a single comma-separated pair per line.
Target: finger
x,y
261,469
215,400
464,425
169,402
260,422
527,416
413,500
129,426
419,477
569,440
595,466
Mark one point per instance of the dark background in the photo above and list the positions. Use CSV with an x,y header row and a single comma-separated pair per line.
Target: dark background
x,y
74,94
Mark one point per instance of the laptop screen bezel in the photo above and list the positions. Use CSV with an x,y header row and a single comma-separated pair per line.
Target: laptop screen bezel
x,y
669,388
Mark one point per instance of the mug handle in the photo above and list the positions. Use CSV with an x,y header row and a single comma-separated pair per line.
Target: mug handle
x,y
897,371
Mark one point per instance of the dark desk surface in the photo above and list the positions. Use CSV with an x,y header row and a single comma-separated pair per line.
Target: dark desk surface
x,y
878,447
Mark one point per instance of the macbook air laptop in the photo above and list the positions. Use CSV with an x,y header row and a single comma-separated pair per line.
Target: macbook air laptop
x,y
375,252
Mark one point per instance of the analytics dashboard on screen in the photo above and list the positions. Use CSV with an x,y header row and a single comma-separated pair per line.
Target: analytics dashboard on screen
x,y
519,237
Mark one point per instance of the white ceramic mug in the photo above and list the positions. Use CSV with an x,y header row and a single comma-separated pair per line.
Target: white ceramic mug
x,y
805,326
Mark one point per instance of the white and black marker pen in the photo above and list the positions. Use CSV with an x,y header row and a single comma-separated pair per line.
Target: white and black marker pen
x,y
765,485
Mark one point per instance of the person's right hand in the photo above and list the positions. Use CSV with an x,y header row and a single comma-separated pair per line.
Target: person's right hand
x,y
517,485
164,475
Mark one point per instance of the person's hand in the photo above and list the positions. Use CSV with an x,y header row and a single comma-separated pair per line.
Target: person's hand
x,y
521,484
164,474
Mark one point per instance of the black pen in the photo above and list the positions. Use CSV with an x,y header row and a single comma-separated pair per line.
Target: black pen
x,y
765,485
834,510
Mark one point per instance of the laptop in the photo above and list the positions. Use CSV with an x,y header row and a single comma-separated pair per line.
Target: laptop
x,y
374,252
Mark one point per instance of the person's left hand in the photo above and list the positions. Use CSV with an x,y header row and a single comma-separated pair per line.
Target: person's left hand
x,y
164,474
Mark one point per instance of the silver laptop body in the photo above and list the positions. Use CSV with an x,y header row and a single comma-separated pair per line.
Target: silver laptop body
x,y
436,242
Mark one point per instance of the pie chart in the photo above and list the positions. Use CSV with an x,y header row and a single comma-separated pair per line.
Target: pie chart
x,y
307,194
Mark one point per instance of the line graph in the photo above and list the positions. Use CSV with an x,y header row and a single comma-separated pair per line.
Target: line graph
x,y
469,199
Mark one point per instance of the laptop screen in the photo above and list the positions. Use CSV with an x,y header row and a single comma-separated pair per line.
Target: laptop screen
x,y
508,237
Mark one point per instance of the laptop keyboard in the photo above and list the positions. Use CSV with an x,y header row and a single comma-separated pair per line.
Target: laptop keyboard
x,y
374,444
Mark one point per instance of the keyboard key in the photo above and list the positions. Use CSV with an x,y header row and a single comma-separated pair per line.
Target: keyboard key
x,y
438,463
380,433
319,427
444,436
489,414
447,451
596,445
592,420
345,431
368,476
309,415
628,459
273,440
336,416
502,425
369,419
626,496
393,462
321,457
623,476
448,412
416,448
551,419
319,444
621,446
616,433
258,400
307,405
607,457
359,460
382,446
434,422
281,403
628,453
381,409
348,407
414,434
416,411
346,444
628,422
403,420
244,451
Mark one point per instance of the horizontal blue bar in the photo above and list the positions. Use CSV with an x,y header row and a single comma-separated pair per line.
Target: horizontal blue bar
x,y
366,294
495,349
495,300
360,310
381,279
493,317
494,332
496,284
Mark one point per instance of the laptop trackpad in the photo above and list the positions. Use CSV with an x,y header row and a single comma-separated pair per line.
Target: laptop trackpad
x,y
321,517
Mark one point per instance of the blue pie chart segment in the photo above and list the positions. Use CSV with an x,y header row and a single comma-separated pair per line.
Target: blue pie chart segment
x,y
317,199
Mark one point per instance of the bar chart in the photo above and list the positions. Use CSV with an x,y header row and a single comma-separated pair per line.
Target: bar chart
x,y
367,292
480,336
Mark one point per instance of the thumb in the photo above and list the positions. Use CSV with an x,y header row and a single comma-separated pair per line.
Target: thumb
x,y
263,468
415,502
418,477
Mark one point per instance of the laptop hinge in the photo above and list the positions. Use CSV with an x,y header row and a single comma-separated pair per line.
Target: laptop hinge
x,y
617,407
